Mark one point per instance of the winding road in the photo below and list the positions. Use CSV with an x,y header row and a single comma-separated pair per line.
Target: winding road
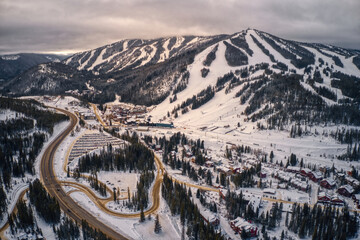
x,y
53,186
72,208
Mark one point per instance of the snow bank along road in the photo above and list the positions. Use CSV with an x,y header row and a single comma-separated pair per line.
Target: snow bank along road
x,y
67,204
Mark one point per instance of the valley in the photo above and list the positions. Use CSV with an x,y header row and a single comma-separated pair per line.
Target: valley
x,y
235,136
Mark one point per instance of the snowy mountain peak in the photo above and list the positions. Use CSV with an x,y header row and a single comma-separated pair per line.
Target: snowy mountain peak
x,y
204,74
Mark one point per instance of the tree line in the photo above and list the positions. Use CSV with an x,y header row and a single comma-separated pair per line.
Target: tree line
x,y
323,222
180,202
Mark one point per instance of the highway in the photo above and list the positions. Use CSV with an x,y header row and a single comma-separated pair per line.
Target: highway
x,y
53,186
75,211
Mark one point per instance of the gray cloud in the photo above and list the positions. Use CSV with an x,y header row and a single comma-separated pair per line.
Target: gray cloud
x,y
67,25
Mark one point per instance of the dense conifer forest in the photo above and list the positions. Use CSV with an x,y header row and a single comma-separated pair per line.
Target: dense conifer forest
x,y
22,137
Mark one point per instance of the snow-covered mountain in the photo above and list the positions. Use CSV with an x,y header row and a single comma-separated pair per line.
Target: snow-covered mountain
x,y
14,64
251,73
135,53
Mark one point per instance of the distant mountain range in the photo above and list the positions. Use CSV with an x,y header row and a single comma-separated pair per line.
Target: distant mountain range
x,y
181,68
14,64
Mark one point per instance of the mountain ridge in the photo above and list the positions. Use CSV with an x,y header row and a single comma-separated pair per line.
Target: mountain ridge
x,y
157,71
12,65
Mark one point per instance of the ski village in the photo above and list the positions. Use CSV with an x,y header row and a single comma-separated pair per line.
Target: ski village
x,y
242,136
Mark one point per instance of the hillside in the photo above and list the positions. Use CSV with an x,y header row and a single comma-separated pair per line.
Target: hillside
x,y
13,65
237,68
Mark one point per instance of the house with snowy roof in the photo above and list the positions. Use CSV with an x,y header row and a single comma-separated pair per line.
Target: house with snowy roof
x,y
239,224
315,176
352,181
305,171
337,200
292,169
346,190
324,198
328,183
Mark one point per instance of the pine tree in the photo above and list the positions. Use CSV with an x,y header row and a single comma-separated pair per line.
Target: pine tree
x,y
198,193
114,191
302,230
271,156
128,190
157,228
183,233
315,234
282,237
244,234
142,215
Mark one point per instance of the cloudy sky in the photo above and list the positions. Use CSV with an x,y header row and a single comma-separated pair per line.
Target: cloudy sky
x,y
75,25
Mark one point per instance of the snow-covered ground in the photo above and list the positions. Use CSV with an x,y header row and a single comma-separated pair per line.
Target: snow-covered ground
x,y
121,181
7,114
217,124
18,185
131,227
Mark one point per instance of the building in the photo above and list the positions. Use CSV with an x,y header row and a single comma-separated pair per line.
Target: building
x,y
239,224
297,183
305,172
165,125
283,176
324,198
89,116
269,191
328,183
262,174
292,169
346,190
315,176
211,218
336,200
352,181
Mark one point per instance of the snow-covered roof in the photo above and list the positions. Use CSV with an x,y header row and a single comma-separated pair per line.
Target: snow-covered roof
x,y
293,168
330,181
323,194
348,188
317,175
306,170
337,198
242,223
269,190
352,180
